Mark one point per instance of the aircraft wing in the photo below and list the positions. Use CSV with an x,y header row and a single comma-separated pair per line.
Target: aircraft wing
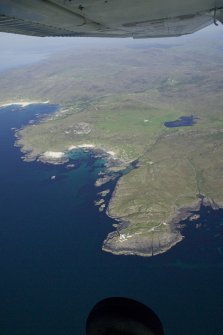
x,y
108,18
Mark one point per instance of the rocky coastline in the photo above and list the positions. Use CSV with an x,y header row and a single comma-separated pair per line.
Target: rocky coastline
x,y
140,242
145,243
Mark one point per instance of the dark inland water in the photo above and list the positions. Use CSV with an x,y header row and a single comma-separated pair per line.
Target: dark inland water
x,y
183,121
53,270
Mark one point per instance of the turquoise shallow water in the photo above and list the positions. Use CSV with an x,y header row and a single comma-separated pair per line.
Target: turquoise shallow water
x,y
53,270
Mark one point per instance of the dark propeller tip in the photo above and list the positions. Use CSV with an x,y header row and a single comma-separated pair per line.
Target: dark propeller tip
x,y
122,316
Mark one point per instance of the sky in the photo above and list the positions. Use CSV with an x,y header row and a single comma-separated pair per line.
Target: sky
x,y
18,50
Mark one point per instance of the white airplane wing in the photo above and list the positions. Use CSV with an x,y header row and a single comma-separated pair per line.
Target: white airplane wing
x,y
108,18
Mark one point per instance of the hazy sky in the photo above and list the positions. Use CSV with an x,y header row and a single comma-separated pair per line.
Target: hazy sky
x,y
17,50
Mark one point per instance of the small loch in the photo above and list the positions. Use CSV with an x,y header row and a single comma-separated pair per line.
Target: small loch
x,y
183,121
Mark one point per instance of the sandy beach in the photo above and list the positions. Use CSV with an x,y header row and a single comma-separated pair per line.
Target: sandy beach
x,y
54,154
23,103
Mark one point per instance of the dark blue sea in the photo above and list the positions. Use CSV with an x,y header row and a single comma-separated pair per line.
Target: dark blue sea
x,y
53,269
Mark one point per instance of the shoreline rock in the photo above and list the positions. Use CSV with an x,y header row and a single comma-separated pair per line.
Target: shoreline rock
x,y
151,242
138,245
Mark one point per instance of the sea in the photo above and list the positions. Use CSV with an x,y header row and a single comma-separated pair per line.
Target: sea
x,y
53,270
